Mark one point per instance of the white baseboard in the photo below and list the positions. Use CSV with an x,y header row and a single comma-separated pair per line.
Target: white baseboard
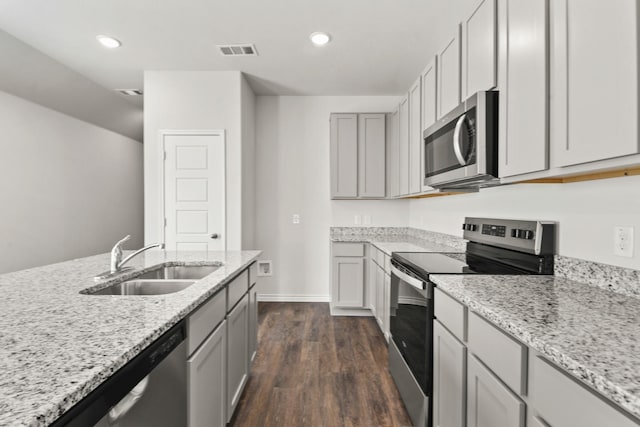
x,y
338,311
293,298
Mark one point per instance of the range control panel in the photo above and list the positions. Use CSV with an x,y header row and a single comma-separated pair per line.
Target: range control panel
x,y
537,237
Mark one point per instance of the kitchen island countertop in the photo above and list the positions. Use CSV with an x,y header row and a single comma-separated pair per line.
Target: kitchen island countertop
x,y
57,345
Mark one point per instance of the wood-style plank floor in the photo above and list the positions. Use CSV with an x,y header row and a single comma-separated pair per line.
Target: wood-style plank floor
x,y
313,369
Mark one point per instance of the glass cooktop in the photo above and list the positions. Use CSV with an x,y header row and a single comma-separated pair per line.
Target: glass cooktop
x,y
426,263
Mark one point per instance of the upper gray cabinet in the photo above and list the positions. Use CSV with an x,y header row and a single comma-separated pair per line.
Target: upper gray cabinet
x,y
449,75
479,49
358,156
594,80
429,114
393,157
523,116
403,147
415,138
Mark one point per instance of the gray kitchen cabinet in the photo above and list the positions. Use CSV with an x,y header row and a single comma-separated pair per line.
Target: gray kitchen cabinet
x,y
415,138
523,106
358,155
564,402
344,155
380,283
479,49
489,402
429,114
449,75
449,379
206,382
371,155
347,275
393,156
403,143
372,269
594,107
237,353
253,322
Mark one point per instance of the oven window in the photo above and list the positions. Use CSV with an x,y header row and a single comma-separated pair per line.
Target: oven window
x,y
409,328
439,154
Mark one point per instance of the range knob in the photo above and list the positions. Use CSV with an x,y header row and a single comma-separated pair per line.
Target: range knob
x,y
528,234
516,233
470,227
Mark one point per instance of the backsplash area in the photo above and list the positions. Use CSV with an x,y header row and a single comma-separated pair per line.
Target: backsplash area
x,y
618,279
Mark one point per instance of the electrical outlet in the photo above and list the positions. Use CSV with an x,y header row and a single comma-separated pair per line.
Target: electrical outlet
x,y
356,219
623,241
295,219
367,220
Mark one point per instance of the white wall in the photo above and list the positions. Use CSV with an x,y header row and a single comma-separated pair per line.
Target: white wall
x,y
69,189
586,213
248,118
292,149
180,100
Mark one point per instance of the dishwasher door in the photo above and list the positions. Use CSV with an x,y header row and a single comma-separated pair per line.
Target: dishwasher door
x,y
159,400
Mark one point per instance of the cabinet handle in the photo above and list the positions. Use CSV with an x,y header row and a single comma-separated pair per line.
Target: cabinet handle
x,y
215,236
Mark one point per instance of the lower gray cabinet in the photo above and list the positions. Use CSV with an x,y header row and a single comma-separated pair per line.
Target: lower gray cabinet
x,y
237,353
206,371
253,322
489,402
380,297
449,387
348,282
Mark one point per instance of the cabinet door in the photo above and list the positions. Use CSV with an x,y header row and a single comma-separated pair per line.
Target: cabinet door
x,y
403,142
449,382
253,322
372,155
380,297
523,123
206,372
429,115
489,402
594,108
415,137
237,353
371,283
387,305
393,156
479,49
449,75
348,282
344,155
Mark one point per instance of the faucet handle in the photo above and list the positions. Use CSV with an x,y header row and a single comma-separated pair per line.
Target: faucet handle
x,y
116,253
121,241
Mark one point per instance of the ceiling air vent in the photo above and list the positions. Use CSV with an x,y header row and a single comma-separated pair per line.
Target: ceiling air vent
x,y
130,92
238,50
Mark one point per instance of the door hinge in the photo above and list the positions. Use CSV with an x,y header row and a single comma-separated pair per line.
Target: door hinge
x,y
165,222
164,155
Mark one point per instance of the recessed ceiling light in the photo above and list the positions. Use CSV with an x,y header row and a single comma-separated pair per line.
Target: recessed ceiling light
x,y
320,38
109,42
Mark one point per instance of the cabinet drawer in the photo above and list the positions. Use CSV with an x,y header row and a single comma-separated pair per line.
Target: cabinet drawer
x,y
451,313
563,402
253,274
237,288
205,319
347,249
505,356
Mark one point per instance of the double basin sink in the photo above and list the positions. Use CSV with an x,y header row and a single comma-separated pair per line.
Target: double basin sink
x,y
164,280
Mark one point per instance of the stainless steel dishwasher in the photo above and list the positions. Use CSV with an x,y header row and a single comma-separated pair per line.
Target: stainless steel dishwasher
x,y
150,390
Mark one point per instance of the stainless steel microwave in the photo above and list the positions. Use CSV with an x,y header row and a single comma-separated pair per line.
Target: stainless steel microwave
x,y
461,149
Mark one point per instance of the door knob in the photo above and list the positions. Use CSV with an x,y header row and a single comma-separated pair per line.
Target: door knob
x,y
215,236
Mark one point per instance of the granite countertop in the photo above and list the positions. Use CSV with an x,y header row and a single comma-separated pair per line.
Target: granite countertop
x,y
397,243
590,332
57,345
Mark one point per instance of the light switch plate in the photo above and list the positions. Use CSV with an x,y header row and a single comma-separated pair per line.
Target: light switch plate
x,y
295,219
356,219
623,241
367,220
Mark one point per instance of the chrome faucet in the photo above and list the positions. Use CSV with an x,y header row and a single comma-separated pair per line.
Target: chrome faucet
x,y
116,258
116,254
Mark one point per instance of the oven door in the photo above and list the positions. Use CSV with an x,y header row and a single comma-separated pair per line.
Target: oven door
x,y
411,323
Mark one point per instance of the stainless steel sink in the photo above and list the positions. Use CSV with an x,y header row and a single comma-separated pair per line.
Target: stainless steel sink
x,y
145,287
181,272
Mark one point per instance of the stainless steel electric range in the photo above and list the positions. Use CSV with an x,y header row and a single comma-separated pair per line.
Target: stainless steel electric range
x,y
495,246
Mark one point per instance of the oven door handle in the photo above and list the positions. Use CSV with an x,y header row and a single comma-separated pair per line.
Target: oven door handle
x,y
457,149
418,284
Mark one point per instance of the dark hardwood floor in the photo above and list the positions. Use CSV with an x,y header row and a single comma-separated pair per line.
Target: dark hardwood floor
x,y
313,369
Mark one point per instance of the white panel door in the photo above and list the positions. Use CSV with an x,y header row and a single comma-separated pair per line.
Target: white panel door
x,y
194,192
479,49
449,75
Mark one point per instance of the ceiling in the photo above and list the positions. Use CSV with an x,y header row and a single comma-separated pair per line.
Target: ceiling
x,y
378,46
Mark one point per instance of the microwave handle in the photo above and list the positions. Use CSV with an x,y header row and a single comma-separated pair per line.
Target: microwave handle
x,y
457,149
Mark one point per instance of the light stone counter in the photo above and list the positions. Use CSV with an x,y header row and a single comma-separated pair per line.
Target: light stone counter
x,y
57,345
592,333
